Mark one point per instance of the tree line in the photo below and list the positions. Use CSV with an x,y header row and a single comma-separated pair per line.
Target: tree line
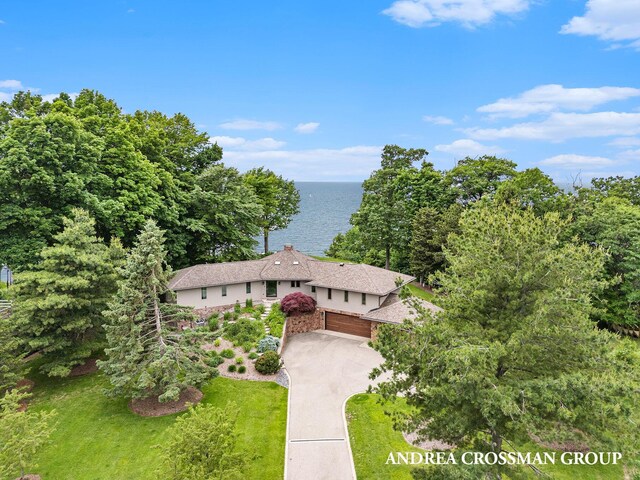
x,y
124,169
409,209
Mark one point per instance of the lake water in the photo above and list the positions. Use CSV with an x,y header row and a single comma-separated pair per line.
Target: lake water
x,y
325,209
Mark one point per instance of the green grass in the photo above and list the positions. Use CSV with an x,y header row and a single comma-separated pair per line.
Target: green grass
x,y
99,438
330,259
420,293
372,438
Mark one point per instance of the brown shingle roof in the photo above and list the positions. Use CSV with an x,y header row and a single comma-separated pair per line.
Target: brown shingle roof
x,y
394,310
290,264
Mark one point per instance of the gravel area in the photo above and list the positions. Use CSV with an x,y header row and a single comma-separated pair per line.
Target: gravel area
x,y
250,374
412,438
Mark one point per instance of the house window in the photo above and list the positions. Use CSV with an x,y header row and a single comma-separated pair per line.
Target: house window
x,y
329,293
203,293
248,287
364,298
224,290
346,296
313,289
295,283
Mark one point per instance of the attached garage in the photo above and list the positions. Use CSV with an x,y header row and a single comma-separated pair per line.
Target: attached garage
x,y
350,324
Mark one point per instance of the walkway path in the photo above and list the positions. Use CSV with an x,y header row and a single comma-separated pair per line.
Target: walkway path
x,y
325,370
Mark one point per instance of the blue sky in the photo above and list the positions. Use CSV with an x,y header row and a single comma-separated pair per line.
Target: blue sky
x,y
313,90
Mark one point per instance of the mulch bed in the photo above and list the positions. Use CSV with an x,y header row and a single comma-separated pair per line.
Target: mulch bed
x,y
88,367
151,407
412,438
25,385
29,476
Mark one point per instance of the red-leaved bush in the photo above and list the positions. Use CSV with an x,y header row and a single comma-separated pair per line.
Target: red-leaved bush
x,y
297,303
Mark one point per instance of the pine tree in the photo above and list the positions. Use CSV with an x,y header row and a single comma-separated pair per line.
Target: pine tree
x,y
147,355
11,360
22,433
58,304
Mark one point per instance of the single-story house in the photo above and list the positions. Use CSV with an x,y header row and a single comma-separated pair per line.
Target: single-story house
x,y
352,298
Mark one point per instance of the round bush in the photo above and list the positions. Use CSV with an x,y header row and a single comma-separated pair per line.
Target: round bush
x,y
227,353
231,368
214,359
242,369
269,363
297,303
239,360
268,343
253,356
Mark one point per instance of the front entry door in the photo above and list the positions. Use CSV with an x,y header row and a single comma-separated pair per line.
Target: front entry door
x,y
272,288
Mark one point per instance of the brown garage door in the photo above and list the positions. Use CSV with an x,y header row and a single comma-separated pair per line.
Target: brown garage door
x,y
348,324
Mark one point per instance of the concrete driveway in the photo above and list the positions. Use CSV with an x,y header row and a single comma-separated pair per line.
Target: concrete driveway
x,y
325,369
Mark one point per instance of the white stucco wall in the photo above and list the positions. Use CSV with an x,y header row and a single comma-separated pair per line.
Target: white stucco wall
x,y
337,301
235,293
285,288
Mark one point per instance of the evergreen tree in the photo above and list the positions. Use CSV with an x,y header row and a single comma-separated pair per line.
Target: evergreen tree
x,y
201,445
11,357
514,352
22,433
58,305
147,355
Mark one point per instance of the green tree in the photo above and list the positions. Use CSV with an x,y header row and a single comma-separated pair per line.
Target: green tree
x,y
202,445
614,224
58,305
22,433
472,178
11,356
146,354
279,199
532,189
430,232
382,218
226,216
514,352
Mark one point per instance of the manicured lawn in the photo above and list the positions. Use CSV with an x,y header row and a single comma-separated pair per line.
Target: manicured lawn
x,y
99,438
420,293
372,438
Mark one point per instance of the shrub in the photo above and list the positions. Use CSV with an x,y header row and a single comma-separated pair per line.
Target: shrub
x,y
213,323
242,369
237,308
247,347
236,315
227,353
214,359
239,360
253,356
248,303
227,316
275,321
268,343
269,363
244,332
231,368
217,342
298,303
260,309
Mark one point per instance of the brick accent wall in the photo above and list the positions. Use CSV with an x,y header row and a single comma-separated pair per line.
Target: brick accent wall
x,y
304,323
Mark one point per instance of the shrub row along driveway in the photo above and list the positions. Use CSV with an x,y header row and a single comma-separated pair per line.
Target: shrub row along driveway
x,y
325,370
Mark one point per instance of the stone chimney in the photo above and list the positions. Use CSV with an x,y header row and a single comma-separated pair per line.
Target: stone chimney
x,y
288,247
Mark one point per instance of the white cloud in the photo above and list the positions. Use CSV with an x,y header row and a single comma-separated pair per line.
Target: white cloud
x,y
437,120
344,164
244,124
470,13
572,160
50,97
242,144
609,20
5,97
630,155
11,84
468,148
307,127
550,98
626,142
562,126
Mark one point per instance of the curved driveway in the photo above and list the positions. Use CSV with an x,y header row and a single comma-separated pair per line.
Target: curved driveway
x,y
325,370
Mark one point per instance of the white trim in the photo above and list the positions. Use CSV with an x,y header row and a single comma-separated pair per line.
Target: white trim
x,y
286,445
346,430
